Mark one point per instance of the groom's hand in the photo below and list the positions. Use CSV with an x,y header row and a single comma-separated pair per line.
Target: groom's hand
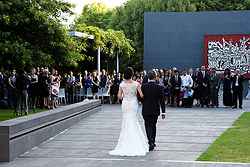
x,y
163,116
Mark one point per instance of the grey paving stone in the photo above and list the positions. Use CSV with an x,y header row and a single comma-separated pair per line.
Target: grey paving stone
x,y
181,138
88,162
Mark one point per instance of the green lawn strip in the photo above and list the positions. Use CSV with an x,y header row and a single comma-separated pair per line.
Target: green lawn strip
x,y
233,145
6,114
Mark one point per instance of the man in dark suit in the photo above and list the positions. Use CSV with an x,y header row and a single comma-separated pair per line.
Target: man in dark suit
x,y
22,84
203,86
237,86
152,102
175,83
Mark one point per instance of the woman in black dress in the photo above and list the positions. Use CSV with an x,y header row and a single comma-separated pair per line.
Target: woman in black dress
x,y
95,86
33,94
166,80
45,88
227,89
115,88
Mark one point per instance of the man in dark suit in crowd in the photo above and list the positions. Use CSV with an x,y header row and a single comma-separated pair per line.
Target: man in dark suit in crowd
x,y
22,84
152,102
237,86
175,84
214,83
203,86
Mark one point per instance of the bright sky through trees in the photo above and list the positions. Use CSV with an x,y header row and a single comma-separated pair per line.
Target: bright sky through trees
x,y
80,3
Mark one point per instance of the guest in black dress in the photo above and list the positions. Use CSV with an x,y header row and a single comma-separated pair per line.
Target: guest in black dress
x,y
71,81
33,90
95,82
45,88
115,88
166,80
227,89
197,93
175,83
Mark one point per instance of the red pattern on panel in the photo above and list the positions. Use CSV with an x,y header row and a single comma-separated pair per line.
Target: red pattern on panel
x,y
232,47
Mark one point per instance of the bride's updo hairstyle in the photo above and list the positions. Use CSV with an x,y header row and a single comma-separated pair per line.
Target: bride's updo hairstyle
x,y
128,74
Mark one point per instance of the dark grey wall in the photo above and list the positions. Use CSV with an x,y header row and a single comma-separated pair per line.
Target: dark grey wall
x,y
176,39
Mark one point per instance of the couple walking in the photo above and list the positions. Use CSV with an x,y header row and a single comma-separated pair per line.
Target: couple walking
x,y
132,141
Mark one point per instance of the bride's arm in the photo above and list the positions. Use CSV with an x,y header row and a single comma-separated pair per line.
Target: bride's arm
x,y
120,93
140,91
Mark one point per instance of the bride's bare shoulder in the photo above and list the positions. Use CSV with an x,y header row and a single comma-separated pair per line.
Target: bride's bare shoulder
x,y
136,83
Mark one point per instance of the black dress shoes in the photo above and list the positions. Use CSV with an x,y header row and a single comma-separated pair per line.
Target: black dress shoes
x,y
151,148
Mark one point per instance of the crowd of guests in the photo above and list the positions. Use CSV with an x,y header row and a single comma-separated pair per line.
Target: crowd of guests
x,y
201,87
25,91
40,87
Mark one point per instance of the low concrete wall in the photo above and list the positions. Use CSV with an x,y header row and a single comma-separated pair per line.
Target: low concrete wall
x,y
21,134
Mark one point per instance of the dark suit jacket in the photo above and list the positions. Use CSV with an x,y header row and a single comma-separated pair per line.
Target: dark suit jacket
x,y
153,99
201,79
240,81
145,79
174,83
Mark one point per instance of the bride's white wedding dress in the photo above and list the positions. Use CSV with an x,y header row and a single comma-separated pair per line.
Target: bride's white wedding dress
x,y
132,141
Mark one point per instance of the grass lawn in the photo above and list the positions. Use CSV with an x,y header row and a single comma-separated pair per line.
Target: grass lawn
x,y
6,114
233,145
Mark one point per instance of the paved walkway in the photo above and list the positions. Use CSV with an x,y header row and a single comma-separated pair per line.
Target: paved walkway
x,y
181,138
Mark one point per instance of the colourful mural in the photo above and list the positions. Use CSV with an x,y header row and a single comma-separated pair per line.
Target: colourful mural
x,y
227,51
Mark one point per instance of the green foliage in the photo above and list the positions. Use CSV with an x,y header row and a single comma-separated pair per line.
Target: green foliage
x,y
110,41
95,20
221,5
95,14
31,34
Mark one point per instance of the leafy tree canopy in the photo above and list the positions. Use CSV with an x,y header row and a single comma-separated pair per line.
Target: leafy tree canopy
x,y
110,41
95,14
31,34
95,20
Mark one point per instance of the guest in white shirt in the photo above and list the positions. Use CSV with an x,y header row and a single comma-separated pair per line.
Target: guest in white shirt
x,y
186,80
187,84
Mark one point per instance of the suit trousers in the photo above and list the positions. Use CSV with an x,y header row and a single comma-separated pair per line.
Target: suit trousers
x,y
22,102
237,94
214,97
150,126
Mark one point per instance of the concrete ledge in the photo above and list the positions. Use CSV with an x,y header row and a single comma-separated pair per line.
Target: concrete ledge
x,y
21,134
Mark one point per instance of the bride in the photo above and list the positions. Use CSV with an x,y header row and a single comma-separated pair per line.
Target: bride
x,y
132,141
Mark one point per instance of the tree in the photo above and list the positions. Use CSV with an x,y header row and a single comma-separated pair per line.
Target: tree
x,y
31,34
221,5
111,43
95,14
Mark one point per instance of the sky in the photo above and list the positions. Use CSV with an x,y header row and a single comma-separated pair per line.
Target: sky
x,y
80,3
